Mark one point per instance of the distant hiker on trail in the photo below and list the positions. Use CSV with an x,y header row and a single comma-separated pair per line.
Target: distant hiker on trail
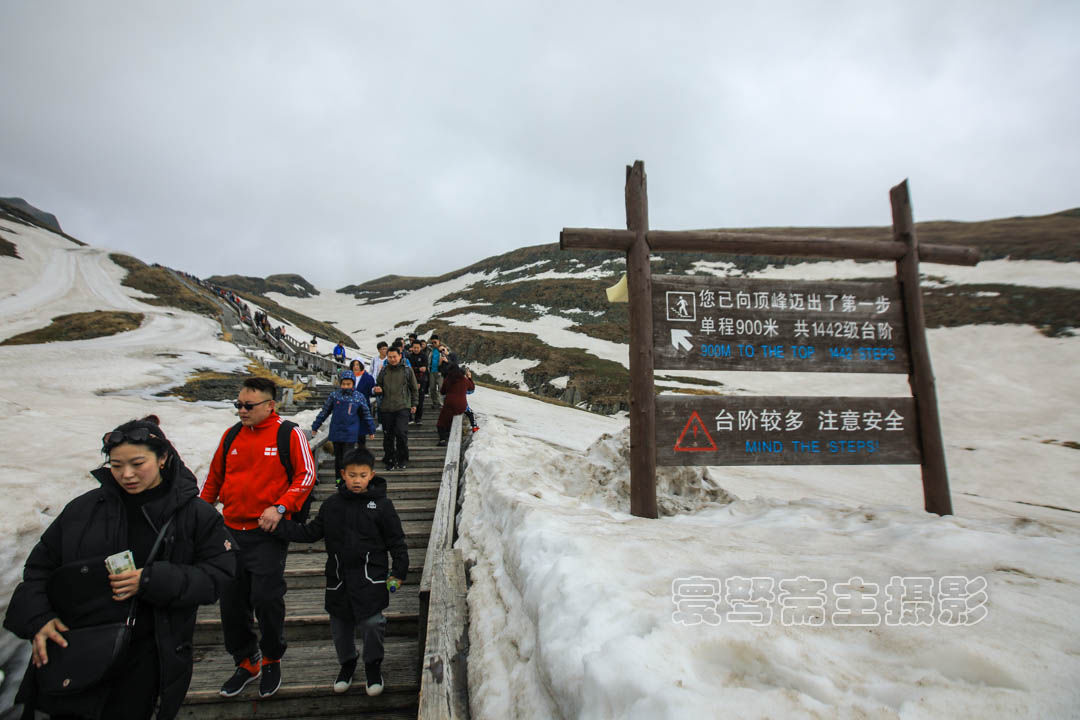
x,y
145,490
468,410
449,357
418,359
339,352
377,364
351,422
257,492
313,346
360,526
434,376
456,384
364,381
397,388
380,359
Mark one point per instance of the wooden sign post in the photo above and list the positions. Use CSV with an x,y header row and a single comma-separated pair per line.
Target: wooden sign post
x,y
701,323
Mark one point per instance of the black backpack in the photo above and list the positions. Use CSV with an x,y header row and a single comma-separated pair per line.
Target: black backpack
x,y
283,451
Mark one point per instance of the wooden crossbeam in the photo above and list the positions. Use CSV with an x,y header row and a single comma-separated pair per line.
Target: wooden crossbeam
x,y
746,243
637,241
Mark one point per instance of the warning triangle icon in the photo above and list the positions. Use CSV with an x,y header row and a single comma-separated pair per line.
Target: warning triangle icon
x,y
694,437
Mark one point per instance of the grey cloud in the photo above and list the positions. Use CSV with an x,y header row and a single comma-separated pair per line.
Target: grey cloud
x,y
348,140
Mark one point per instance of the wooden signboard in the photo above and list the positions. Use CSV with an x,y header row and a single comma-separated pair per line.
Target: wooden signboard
x,y
757,430
710,323
698,323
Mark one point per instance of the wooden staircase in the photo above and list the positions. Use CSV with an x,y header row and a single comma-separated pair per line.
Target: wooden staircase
x,y
310,666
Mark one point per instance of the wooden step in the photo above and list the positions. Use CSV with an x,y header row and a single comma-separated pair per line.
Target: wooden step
x,y
308,569
427,452
412,472
308,671
407,509
306,617
416,535
417,457
398,490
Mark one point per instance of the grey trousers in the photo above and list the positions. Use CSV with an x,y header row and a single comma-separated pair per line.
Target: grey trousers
x,y
372,631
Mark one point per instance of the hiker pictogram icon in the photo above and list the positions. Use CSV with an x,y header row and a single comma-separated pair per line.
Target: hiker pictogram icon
x,y
694,436
681,306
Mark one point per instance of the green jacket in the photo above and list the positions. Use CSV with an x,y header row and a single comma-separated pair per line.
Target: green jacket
x,y
400,390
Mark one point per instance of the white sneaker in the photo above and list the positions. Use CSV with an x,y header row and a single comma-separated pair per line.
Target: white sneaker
x,y
373,672
344,677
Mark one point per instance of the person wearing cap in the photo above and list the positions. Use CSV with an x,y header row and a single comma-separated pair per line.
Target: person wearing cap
x,y
350,422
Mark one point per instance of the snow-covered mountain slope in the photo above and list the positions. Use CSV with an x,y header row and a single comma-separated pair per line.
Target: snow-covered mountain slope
x,y
58,399
537,318
572,600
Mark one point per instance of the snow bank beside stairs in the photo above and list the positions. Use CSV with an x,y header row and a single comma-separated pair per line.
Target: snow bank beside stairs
x,y
571,608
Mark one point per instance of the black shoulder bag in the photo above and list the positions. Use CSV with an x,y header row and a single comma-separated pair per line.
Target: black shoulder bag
x,y
92,652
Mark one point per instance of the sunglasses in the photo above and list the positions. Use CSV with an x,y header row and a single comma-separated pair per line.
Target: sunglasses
x,y
137,436
248,406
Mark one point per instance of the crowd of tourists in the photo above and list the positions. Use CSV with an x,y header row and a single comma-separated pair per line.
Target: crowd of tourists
x,y
110,592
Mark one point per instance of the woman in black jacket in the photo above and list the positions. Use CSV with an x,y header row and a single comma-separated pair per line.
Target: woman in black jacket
x,y
145,484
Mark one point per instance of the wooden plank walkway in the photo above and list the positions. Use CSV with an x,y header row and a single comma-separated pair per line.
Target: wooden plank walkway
x,y
310,666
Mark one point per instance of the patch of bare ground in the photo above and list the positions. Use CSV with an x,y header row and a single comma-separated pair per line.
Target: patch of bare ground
x,y
1055,312
209,385
163,285
79,326
7,249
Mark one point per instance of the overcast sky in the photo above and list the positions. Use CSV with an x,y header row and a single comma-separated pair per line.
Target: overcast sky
x,y
349,140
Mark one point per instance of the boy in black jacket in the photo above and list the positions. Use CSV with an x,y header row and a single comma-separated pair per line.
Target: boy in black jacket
x,y
360,526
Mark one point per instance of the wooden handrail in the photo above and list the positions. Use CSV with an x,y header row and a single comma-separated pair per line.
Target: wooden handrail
x,y
444,613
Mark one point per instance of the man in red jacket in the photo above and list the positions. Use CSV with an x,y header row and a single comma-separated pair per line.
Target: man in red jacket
x,y
256,493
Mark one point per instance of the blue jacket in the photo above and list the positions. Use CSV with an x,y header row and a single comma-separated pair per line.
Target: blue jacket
x,y
349,407
434,360
365,384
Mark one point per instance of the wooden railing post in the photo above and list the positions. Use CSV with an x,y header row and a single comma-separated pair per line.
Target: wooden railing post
x,y
642,387
935,477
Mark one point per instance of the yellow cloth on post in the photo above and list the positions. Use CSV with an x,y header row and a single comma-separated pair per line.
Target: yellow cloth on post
x,y
617,292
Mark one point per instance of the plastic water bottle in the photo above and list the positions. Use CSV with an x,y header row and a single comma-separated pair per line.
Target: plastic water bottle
x,y
392,584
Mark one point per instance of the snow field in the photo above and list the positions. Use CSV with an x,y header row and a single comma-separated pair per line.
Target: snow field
x,y
511,370
571,603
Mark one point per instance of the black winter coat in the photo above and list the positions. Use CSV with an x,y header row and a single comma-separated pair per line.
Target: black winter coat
x,y
194,562
359,528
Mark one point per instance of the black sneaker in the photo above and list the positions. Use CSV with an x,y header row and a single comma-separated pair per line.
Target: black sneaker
x,y
271,678
389,464
401,466
373,673
246,671
344,676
